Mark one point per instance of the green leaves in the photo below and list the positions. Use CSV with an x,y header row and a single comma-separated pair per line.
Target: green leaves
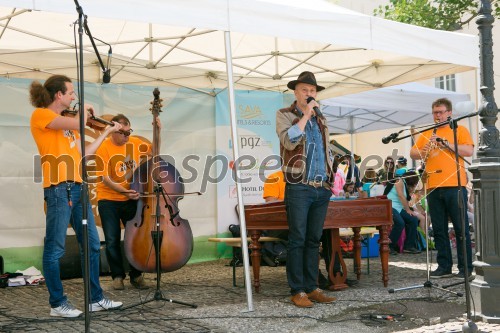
x,y
438,14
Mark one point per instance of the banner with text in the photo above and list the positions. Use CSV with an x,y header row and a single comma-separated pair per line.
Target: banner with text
x,y
258,148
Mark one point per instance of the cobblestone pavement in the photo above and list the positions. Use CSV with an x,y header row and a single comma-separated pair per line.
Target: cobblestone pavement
x,y
223,308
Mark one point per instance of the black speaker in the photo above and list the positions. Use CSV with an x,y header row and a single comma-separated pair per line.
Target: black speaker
x,y
70,263
104,265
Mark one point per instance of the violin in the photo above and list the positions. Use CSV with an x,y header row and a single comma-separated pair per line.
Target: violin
x,y
93,122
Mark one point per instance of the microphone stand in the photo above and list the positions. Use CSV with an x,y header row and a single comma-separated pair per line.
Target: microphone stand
x,y
82,23
436,125
461,206
428,284
84,195
447,146
106,71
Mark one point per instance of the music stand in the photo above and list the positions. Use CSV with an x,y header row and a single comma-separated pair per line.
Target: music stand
x,y
157,235
428,284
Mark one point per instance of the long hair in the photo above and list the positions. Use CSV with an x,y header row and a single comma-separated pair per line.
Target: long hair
x,y
42,96
411,178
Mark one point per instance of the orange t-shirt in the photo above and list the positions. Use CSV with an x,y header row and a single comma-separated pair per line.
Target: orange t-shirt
x,y
58,149
119,163
440,158
275,186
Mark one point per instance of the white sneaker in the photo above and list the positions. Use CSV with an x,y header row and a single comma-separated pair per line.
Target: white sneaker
x,y
105,304
66,310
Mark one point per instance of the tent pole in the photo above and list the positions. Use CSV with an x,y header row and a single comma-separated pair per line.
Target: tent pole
x,y
234,138
350,127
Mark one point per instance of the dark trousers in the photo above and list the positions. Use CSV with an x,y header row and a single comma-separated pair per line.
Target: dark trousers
x,y
112,212
443,206
306,208
403,220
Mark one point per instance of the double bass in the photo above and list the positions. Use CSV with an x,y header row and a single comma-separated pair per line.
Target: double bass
x,y
160,187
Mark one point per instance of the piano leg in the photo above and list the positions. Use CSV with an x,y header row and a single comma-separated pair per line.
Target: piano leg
x,y
357,251
255,256
337,277
384,252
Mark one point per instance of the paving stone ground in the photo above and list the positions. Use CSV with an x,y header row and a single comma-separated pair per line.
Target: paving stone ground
x,y
224,308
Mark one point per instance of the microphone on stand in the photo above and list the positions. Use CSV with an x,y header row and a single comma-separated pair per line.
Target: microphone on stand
x,y
106,77
316,109
172,215
389,138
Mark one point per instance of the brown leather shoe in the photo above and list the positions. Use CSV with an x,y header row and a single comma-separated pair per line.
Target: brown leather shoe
x,y
139,283
318,296
118,283
301,300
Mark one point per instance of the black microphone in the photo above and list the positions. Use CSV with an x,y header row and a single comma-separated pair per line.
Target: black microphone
x,y
106,77
441,140
172,215
316,109
389,138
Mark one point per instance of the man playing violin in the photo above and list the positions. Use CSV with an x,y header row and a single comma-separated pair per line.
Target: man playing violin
x,y
121,155
57,139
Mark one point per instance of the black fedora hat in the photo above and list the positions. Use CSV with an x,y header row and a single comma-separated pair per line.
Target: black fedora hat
x,y
305,77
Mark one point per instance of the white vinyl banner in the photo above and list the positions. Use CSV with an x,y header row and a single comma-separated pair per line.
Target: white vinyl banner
x,y
258,148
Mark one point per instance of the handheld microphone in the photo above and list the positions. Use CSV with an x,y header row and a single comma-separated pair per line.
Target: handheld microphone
x,y
389,138
106,77
316,109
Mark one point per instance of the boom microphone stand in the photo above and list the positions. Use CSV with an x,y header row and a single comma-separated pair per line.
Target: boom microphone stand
x,y
461,205
84,195
82,24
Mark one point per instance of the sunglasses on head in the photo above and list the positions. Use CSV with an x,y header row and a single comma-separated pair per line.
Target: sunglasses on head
x,y
125,133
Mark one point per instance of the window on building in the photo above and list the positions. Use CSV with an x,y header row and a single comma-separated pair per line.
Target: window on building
x,y
446,82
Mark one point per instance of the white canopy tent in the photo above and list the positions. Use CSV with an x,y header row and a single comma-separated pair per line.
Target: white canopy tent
x,y
402,105
167,42
187,43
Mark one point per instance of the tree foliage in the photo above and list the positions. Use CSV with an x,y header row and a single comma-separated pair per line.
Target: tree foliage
x,y
436,14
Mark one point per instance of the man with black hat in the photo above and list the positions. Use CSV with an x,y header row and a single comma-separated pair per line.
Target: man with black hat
x,y
308,170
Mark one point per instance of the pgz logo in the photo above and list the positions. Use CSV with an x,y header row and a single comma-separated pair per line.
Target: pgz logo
x,y
249,141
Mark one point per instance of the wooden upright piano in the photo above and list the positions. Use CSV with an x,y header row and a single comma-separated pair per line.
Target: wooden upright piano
x,y
373,212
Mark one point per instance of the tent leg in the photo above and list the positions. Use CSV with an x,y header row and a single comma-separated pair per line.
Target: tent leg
x,y
234,137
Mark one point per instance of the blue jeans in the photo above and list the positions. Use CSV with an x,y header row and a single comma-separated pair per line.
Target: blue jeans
x,y
403,220
306,209
112,212
59,215
443,205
